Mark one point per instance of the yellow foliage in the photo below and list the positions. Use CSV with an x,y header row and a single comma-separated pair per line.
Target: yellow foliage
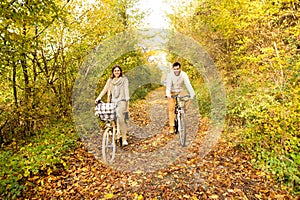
x,y
109,196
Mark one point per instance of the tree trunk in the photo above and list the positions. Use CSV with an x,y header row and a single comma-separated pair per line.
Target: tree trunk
x,y
27,90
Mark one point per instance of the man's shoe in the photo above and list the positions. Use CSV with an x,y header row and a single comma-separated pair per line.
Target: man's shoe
x,y
171,130
124,143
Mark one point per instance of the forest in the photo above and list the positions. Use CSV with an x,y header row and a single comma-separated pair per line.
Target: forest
x,y
51,52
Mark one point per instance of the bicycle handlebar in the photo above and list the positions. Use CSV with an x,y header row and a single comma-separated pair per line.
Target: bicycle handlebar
x,y
180,97
100,101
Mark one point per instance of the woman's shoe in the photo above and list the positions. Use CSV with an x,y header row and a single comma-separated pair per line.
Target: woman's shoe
x,y
124,143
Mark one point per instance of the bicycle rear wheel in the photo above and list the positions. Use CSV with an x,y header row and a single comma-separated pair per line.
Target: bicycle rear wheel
x,y
181,128
108,145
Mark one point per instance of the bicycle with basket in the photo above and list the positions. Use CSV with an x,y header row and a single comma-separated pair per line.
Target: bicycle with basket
x,y
107,113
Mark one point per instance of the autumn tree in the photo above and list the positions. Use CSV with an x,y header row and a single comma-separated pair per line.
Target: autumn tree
x,y
255,44
42,47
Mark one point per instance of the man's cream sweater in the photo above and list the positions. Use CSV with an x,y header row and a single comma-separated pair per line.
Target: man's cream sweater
x,y
175,83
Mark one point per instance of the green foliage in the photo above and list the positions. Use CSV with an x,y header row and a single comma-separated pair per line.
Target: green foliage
x,y
271,133
255,45
201,90
42,47
42,155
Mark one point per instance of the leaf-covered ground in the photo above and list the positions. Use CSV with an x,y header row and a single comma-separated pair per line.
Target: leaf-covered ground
x,y
223,173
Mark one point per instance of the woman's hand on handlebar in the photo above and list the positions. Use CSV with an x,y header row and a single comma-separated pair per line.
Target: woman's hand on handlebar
x,y
98,100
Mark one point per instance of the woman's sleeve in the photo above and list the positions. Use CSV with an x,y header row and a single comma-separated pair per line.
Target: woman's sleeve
x,y
104,90
126,87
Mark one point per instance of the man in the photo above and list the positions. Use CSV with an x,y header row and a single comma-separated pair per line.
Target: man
x,y
174,85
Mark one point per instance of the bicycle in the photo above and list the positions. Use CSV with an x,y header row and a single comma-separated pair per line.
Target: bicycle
x,y
107,113
180,123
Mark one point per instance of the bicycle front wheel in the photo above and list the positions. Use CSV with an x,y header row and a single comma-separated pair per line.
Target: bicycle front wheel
x,y
181,128
108,145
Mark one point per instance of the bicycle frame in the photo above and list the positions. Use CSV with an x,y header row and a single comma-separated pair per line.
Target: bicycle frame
x,y
113,125
178,105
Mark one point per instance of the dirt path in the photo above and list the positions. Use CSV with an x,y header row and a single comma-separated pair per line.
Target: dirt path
x,y
151,147
154,166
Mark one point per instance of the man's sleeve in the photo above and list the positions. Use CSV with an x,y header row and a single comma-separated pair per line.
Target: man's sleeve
x,y
188,85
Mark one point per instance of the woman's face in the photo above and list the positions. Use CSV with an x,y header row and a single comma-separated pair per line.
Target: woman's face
x,y
117,72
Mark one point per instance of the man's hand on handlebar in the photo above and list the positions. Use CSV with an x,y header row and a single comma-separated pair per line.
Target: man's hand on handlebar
x,y
181,97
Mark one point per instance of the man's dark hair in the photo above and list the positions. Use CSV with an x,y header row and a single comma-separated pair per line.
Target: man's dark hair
x,y
177,64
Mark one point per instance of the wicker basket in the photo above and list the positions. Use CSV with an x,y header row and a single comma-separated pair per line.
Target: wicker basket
x,y
106,111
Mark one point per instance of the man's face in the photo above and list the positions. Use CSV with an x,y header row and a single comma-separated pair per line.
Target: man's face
x,y
176,70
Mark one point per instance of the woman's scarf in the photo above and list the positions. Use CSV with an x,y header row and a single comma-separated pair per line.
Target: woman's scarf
x,y
116,86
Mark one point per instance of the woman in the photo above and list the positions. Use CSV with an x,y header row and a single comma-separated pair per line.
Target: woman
x,y
117,89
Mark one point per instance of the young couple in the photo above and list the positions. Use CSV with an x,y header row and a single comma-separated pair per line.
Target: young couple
x,y
117,89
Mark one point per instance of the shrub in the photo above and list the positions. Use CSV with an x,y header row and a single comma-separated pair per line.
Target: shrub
x,y
45,151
